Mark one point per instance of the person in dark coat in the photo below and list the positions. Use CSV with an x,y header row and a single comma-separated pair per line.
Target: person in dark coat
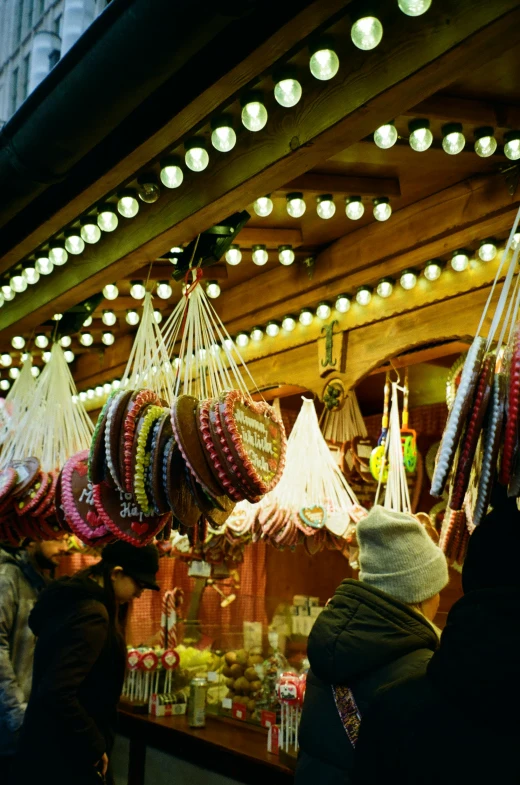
x,y
372,633
459,723
79,667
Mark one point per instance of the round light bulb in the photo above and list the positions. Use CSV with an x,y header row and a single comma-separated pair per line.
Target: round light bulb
x,y
306,317
74,243
223,137
242,340
132,317
32,275
69,356
385,136
254,114
414,7
354,208
487,250
108,338
148,189
99,391
385,287
109,318
367,33
18,282
110,291
90,231
86,339
382,209
6,360
485,142
227,343
257,334
5,383
107,388
58,255
164,290
7,292
46,357
325,206
263,206
460,261
196,156
287,92
432,271
116,384
43,265
107,219
17,341
408,279
2,299
516,241
57,317
213,289
286,255
323,311
87,322
91,394
272,329
14,373
127,204
342,304
296,205
65,341
363,295
83,396
260,255
137,290
171,173
512,145
41,341
453,139
233,255
288,323
324,64
157,315
421,137
35,371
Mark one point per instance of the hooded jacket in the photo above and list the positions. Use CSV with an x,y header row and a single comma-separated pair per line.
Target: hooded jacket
x,y
364,639
79,664
459,723
19,588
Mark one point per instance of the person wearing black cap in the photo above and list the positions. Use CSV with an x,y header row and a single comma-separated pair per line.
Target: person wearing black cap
x,y
460,723
79,666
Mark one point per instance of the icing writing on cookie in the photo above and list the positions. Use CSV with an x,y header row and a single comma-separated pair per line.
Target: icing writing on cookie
x,y
260,439
86,495
129,508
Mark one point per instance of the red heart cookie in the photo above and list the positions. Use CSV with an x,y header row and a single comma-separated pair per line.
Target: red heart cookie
x,y
119,513
77,499
237,480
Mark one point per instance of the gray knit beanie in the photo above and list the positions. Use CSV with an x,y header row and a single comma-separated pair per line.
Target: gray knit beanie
x,y
397,556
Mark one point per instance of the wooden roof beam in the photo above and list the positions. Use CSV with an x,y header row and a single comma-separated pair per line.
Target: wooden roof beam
x,y
316,183
467,110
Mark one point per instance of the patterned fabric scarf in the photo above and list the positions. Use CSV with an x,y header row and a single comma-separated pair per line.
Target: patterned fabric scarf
x,y
348,712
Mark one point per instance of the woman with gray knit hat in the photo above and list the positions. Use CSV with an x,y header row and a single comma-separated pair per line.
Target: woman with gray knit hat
x,y
373,632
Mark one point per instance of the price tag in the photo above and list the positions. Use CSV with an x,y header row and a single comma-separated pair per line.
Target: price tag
x,y
239,711
227,703
212,676
267,718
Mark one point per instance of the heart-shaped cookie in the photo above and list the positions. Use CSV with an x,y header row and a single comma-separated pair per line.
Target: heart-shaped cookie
x,y
119,513
185,429
97,452
315,516
76,499
135,406
8,479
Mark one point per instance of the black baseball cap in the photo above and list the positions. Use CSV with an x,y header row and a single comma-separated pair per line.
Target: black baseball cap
x,y
139,563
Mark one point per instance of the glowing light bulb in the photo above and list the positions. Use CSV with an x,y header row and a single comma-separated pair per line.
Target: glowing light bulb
x,y
385,136
108,338
363,295
512,145
17,341
227,343
157,315
414,7
127,204
32,275
69,356
453,139
116,384
325,206
107,388
382,209
433,270
110,291
272,329
324,63
487,250
257,334
242,340
7,292
164,290
86,339
132,317
196,155
342,304
223,137
287,91
485,142
233,255
385,287
254,113
46,357
83,396
14,373
286,255
90,231
18,281
43,265
408,279
74,242
306,317
109,318
288,323
323,311
516,241
91,394
263,206
354,208
213,289
171,172
5,383
137,290
367,33
99,391
41,341
296,205
460,261
65,341
260,255
6,360
107,219
421,137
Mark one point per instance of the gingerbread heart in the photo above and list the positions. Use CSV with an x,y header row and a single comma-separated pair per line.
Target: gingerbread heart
x,y
315,516
119,513
75,497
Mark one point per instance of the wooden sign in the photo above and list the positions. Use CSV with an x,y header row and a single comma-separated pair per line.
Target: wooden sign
x,y
331,351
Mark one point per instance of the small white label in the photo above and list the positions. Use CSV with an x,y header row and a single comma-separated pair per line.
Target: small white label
x,y
227,703
212,676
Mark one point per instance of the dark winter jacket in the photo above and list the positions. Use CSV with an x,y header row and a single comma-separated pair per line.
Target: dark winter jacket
x,y
366,640
20,585
459,723
79,664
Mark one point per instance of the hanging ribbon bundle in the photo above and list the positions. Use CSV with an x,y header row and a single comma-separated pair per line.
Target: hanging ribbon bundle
x,y
14,407
391,468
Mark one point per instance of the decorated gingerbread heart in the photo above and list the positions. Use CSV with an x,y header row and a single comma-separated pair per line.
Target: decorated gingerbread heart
x,y
75,497
121,515
315,516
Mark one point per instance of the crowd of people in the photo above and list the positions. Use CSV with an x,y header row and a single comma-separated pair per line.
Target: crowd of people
x,y
389,699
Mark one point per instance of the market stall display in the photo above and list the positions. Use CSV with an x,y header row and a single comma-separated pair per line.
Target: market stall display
x,y
345,433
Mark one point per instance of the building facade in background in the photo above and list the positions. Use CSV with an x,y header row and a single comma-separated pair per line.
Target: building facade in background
x,y
34,34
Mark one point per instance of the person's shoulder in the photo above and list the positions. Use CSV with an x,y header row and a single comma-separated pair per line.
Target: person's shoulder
x,y
10,572
407,698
